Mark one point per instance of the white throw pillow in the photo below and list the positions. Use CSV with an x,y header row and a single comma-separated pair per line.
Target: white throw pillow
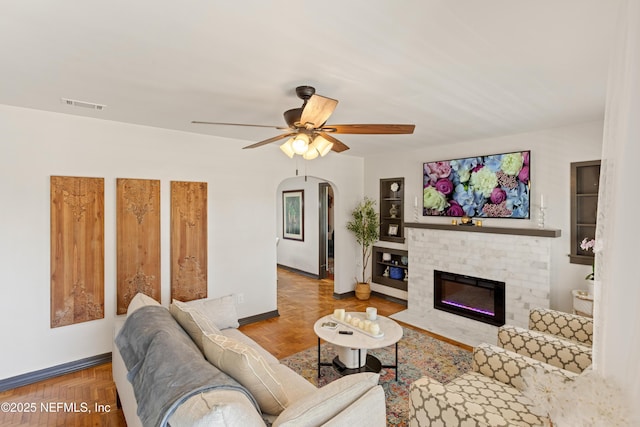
x,y
140,300
245,365
317,408
221,311
192,321
228,408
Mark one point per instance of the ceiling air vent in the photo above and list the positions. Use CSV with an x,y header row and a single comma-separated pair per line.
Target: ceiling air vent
x,y
83,104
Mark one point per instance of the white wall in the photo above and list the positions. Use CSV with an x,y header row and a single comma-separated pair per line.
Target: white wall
x,y
616,346
243,188
242,185
552,151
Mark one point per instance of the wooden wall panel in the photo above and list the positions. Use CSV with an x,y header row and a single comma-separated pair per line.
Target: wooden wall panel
x,y
77,250
188,240
138,240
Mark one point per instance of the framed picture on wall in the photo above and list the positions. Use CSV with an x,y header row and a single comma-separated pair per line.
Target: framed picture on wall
x,y
493,186
393,230
293,215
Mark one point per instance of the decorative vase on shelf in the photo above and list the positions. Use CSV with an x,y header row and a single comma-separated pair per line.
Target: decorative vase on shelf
x,y
396,273
590,286
394,210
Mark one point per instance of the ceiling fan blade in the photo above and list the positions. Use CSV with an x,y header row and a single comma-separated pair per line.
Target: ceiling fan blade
x,y
237,124
377,129
317,110
338,146
270,140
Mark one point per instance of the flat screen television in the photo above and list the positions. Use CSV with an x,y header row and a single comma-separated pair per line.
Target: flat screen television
x,y
495,186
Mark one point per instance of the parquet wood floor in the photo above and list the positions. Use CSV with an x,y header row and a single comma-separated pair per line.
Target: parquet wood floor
x,y
37,404
301,301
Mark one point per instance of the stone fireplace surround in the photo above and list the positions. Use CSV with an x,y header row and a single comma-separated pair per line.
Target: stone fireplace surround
x,y
519,257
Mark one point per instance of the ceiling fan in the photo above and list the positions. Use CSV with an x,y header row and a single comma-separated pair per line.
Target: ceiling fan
x,y
308,133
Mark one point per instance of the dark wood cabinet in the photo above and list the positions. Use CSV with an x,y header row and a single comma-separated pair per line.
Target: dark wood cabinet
x,y
585,179
390,267
392,210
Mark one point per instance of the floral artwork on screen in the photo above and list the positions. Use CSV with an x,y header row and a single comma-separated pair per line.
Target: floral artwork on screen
x,y
495,186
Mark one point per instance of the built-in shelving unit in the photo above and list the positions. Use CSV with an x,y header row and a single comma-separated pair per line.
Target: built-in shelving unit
x,y
391,210
390,267
585,178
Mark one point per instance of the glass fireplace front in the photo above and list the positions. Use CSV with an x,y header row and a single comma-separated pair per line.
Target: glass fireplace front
x,y
472,297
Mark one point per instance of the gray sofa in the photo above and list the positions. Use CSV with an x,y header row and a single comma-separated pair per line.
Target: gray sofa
x,y
265,391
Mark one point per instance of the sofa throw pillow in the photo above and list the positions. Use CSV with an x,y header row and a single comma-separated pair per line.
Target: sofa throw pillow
x,y
220,408
249,368
221,311
140,300
192,321
317,408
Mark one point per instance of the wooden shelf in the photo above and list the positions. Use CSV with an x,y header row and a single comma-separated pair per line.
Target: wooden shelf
x,y
393,265
534,232
585,177
392,199
379,266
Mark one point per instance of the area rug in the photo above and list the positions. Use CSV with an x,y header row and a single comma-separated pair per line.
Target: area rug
x,y
419,355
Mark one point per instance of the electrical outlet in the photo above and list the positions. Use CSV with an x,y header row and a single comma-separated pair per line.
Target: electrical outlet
x,y
240,298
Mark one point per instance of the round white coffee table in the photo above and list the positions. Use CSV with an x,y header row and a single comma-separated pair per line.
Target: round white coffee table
x,y
352,349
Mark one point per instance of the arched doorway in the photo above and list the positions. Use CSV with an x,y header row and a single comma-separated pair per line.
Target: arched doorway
x,y
312,254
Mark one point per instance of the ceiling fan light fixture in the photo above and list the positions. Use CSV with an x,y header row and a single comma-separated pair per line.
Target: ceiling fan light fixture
x,y
300,143
309,131
322,145
311,154
287,148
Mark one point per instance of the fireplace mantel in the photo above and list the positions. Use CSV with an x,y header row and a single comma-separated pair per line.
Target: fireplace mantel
x,y
536,232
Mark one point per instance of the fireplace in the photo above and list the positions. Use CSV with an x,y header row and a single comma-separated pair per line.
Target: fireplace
x,y
472,297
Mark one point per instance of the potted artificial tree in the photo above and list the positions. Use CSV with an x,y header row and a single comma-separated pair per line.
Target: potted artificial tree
x,y
365,225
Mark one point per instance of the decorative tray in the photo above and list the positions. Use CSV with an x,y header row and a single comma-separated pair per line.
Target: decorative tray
x,y
362,317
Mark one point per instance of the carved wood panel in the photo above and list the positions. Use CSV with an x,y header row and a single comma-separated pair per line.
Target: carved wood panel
x,y
188,240
77,250
138,240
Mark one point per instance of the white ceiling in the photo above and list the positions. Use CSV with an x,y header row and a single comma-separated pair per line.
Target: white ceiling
x,y
459,70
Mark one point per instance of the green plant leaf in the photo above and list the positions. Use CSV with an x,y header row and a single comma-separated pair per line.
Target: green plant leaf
x,y
365,225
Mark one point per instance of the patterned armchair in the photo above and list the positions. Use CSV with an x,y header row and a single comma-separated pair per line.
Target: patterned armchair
x,y
560,339
489,395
